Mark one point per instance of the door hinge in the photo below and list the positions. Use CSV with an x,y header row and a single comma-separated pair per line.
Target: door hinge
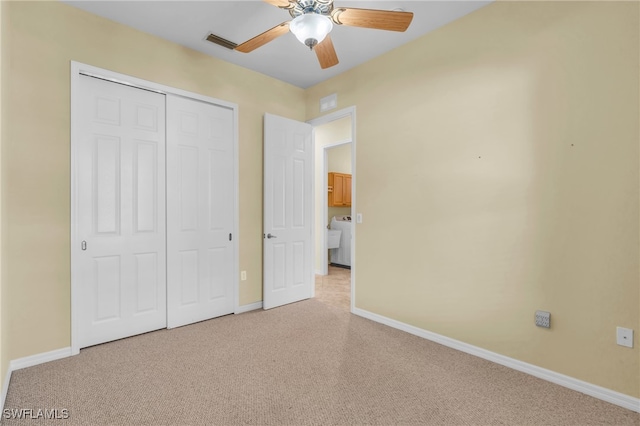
x,y
230,237
84,245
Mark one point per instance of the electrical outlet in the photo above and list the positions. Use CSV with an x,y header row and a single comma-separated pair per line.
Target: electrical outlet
x,y
243,275
624,336
543,319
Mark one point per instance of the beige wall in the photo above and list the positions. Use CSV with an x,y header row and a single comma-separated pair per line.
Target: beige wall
x,y
509,140
324,135
45,37
339,160
4,305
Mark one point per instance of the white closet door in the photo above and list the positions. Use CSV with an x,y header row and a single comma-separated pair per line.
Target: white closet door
x,y
121,247
200,214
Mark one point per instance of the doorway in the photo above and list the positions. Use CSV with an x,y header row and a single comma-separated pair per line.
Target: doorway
x,y
335,208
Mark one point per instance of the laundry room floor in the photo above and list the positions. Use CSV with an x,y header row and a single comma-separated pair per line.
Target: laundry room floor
x,y
335,289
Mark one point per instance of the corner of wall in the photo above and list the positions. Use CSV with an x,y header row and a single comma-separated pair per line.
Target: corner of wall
x,y
4,305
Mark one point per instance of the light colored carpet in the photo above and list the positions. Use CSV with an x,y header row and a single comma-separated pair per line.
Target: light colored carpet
x,y
307,363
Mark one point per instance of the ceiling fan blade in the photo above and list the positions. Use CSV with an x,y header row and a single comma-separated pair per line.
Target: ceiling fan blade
x,y
264,38
369,18
326,53
285,4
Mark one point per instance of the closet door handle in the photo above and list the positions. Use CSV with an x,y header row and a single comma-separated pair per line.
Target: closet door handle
x,y
271,236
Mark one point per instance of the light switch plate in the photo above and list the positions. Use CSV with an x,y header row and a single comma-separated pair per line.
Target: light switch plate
x,y
624,337
358,217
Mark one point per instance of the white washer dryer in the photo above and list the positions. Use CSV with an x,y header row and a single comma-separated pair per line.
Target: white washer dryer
x,y
341,256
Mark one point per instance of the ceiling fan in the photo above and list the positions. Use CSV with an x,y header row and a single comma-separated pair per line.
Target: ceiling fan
x,y
313,20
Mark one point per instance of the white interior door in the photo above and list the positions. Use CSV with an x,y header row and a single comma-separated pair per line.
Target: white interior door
x,y
288,218
121,217
201,211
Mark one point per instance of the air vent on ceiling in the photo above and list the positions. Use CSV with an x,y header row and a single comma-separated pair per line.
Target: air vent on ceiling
x,y
221,41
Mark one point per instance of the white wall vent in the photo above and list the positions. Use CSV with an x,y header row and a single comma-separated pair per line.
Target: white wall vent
x,y
329,102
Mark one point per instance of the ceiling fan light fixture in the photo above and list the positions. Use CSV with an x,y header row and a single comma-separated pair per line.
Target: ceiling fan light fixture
x,y
311,28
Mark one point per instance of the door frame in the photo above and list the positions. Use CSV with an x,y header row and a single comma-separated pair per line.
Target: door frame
x,y
337,115
78,69
325,201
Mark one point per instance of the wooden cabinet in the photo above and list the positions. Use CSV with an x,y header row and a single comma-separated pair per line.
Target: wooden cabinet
x,y
339,190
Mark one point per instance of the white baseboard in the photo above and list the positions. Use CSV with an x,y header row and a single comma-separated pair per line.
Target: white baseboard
x,y
5,388
247,308
30,361
595,391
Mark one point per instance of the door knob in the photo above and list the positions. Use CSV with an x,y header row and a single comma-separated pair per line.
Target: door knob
x,y
271,236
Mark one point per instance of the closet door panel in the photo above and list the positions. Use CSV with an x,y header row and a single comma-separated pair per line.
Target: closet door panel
x,y
121,248
200,221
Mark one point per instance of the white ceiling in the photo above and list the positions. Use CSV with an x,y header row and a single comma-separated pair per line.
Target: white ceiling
x,y
189,22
